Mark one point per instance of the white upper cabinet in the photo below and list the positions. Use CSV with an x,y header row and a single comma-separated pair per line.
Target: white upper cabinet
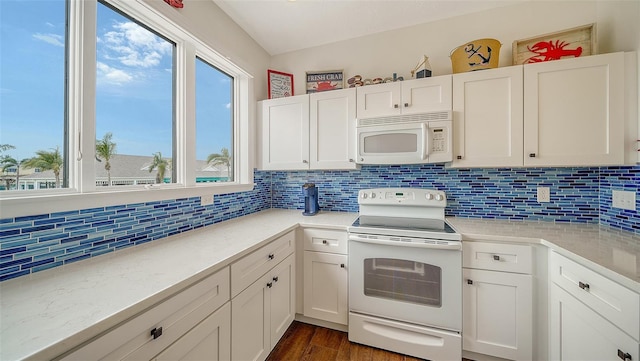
x,y
314,131
405,97
285,133
332,130
488,118
574,111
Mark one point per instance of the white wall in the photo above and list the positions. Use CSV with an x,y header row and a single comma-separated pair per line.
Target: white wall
x,y
397,51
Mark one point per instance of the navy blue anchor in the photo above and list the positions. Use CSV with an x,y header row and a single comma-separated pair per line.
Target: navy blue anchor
x,y
471,51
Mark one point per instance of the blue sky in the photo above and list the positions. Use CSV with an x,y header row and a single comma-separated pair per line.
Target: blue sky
x,y
134,84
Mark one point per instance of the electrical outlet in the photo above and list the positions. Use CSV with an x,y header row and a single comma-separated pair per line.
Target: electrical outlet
x,y
624,200
544,195
206,200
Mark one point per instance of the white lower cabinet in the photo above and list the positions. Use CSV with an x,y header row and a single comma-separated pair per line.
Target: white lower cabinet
x,y
173,326
325,286
497,297
210,340
326,275
579,333
591,317
262,312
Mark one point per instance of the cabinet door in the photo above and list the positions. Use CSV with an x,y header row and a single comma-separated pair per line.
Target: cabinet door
x,y
379,100
250,338
496,314
210,340
579,333
487,118
285,133
574,111
325,286
332,132
282,304
426,95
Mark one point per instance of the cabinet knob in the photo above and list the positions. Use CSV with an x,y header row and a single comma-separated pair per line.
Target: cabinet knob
x,y
324,241
156,332
584,286
496,257
305,161
532,155
469,281
270,256
624,355
342,265
406,105
459,157
275,279
351,160
270,284
395,106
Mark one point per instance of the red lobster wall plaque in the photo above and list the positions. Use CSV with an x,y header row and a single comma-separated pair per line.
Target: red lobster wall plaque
x,y
551,50
175,3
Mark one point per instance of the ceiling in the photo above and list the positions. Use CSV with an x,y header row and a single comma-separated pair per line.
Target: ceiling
x,y
281,26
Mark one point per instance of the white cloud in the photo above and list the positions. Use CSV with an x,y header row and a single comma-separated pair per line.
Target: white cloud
x,y
134,45
107,74
228,106
52,39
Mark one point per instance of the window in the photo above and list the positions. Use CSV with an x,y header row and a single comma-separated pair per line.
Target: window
x,y
32,115
214,124
134,102
159,92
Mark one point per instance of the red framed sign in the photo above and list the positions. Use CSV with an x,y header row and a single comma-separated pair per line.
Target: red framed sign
x,y
280,84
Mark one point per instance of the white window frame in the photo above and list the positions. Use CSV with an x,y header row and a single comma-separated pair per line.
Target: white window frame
x,y
82,192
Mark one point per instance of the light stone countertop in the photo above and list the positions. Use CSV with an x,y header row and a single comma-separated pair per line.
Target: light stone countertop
x,y
610,252
46,313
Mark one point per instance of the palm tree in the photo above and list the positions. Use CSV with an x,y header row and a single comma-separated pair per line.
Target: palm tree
x,y
105,149
4,147
161,164
222,158
9,162
47,160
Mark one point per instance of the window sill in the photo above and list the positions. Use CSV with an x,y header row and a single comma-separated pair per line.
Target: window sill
x,y
11,207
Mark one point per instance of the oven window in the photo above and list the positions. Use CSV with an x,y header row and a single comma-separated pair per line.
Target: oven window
x,y
391,143
402,280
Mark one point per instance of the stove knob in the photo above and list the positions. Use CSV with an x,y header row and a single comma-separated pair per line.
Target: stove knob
x,y
373,195
363,195
439,197
429,196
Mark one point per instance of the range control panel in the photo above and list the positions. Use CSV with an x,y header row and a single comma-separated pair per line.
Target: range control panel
x,y
406,196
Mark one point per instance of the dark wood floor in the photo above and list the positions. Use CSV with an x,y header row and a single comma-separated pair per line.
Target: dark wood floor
x,y
312,343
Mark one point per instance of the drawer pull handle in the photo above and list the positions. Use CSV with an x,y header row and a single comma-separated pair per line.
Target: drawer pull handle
x,y
342,265
496,257
469,281
532,155
624,356
584,286
395,106
270,256
270,284
324,241
406,105
157,332
275,279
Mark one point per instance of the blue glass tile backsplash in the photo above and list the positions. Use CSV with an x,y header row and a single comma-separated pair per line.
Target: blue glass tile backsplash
x,y
37,242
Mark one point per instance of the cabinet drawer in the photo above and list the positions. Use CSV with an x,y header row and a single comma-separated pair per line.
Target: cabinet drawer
x,y
248,269
504,257
176,316
325,240
616,303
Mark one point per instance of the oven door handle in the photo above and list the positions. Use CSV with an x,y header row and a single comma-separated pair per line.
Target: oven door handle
x,y
453,246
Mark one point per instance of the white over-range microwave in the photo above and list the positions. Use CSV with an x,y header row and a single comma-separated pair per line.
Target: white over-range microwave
x,y
405,139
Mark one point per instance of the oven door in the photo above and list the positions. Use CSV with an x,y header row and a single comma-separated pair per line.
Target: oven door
x,y
417,283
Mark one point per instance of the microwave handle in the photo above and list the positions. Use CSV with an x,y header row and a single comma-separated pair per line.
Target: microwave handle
x,y
425,141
